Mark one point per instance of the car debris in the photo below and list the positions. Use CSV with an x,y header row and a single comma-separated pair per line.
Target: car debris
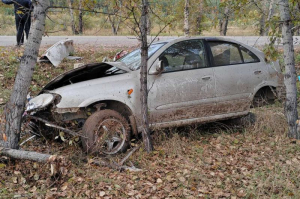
x,y
120,54
56,53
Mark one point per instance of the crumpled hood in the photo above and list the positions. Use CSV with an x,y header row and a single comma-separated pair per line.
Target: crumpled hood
x,y
83,73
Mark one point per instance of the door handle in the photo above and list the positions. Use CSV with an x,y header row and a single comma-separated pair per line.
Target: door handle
x,y
206,77
257,72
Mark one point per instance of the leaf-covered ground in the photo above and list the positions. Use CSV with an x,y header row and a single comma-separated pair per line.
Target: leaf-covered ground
x,y
215,160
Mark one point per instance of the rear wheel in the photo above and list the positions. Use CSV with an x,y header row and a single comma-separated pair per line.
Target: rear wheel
x,y
264,97
107,132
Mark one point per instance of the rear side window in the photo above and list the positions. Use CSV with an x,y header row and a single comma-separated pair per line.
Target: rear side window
x,y
225,53
249,57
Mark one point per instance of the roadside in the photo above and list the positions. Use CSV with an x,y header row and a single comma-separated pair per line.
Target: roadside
x,y
130,41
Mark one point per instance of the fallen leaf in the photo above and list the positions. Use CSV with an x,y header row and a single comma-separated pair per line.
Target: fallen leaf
x,y
182,179
64,186
15,180
102,193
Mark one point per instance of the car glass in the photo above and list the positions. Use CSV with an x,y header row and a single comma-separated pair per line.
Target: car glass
x,y
184,55
249,57
133,59
225,53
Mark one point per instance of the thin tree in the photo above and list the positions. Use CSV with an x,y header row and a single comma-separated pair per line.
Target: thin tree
x,y
270,15
15,107
72,17
291,112
186,19
144,88
223,24
199,17
80,18
262,21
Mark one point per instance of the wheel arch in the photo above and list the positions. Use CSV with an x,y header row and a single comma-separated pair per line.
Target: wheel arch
x,y
119,107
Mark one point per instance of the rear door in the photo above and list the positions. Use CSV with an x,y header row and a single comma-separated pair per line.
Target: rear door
x,y
186,87
237,72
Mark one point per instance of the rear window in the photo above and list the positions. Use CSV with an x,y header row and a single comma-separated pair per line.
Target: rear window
x,y
249,57
225,53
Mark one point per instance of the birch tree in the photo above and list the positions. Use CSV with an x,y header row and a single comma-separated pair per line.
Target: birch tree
x,y
80,18
199,17
186,19
270,15
224,21
143,73
262,21
291,112
72,17
15,107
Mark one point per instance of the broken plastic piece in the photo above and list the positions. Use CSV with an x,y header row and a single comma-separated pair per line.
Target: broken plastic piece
x,y
56,53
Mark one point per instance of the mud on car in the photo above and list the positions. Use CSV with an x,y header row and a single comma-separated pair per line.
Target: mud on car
x,y
190,80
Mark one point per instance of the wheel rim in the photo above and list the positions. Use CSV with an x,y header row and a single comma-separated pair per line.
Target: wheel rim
x,y
110,136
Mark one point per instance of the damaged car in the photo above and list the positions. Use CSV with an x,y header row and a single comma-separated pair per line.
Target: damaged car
x,y
190,80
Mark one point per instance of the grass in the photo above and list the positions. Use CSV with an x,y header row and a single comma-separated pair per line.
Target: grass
x,y
59,24
208,161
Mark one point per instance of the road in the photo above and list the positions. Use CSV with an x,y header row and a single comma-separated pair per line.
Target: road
x,y
128,41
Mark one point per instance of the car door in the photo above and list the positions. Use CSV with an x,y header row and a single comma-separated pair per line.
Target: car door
x,y
237,73
186,87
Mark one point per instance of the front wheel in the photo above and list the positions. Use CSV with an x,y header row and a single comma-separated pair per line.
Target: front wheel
x,y
106,131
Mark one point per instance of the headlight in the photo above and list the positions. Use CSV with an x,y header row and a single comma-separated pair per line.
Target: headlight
x,y
40,101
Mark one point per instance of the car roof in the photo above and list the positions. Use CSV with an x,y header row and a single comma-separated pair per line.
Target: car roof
x,y
214,38
207,38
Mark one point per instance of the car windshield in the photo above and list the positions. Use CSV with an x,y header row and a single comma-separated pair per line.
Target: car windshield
x,y
133,59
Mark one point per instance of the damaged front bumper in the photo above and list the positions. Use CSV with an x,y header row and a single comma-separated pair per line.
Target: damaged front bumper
x,y
42,110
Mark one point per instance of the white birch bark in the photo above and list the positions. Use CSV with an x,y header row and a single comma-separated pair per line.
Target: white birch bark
x,y
72,17
15,107
290,76
270,15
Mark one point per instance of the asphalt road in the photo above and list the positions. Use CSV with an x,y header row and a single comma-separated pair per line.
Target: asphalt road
x,y
128,41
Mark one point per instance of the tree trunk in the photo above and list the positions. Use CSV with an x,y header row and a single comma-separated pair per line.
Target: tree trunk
x,y
25,155
224,22
199,18
15,107
72,17
112,24
80,18
58,163
262,21
148,24
270,15
144,88
290,76
186,19
296,10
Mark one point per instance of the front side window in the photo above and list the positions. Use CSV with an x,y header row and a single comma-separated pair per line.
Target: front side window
x,y
184,55
225,53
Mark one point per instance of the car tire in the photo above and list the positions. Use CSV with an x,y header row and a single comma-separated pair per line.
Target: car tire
x,y
106,131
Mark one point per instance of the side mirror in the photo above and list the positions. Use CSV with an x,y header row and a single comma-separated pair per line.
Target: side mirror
x,y
155,70
159,67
